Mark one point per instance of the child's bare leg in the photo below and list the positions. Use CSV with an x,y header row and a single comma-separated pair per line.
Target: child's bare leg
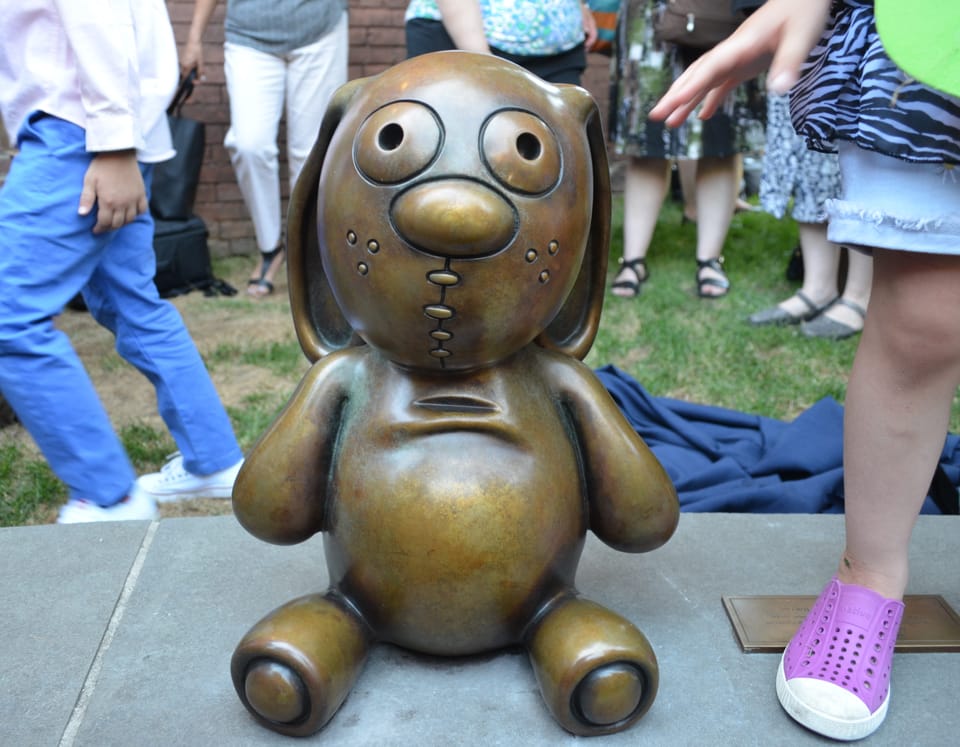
x,y
904,377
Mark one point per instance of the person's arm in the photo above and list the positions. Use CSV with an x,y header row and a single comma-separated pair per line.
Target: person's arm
x,y
780,34
589,26
464,22
191,56
104,48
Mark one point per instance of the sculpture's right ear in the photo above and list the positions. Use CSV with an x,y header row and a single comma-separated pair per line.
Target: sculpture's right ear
x,y
321,327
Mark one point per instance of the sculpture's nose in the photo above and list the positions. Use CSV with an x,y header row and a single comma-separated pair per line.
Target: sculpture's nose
x,y
454,217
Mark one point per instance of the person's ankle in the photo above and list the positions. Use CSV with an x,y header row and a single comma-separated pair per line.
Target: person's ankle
x,y
890,585
820,296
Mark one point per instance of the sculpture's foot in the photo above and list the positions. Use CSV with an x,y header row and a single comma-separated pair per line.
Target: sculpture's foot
x,y
294,668
275,692
609,694
596,671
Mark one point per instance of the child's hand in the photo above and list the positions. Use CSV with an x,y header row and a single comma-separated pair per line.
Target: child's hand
x,y
780,34
114,184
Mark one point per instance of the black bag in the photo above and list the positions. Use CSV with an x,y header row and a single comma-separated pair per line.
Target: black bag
x,y
183,259
696,24
175,181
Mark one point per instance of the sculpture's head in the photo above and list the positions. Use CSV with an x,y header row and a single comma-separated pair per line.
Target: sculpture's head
x,y
454,209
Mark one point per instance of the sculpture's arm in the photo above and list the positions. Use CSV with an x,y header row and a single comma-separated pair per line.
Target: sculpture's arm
x,y
280,493
633,504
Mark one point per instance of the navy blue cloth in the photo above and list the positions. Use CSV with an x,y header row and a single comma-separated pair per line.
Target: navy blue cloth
x,y
729,461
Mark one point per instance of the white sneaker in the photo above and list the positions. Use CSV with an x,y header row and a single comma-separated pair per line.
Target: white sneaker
x,y
174,483
138,506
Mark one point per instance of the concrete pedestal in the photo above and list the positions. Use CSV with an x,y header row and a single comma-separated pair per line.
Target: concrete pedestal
x,y
121,634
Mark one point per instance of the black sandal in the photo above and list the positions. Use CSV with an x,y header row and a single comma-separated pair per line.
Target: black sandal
x,y
632,286
260,286
721,282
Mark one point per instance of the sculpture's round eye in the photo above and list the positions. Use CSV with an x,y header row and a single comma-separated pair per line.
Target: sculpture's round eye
x,y
521,151
397,142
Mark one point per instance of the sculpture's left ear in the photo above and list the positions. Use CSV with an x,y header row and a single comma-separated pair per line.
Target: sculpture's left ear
x,y
573,329
320,324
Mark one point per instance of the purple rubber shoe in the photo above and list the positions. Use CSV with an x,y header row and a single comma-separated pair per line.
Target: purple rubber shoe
x,y
834,677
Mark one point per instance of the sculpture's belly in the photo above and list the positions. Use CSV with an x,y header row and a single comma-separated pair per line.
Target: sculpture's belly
x,y
448,543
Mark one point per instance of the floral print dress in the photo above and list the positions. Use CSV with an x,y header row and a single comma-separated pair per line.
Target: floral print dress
x,y
641,72
521,27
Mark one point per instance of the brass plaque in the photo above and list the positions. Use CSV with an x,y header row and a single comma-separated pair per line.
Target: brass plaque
x,y
765,624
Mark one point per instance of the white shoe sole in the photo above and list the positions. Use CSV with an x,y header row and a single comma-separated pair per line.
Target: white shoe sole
x,y
841,727
220,493
138,506
220,486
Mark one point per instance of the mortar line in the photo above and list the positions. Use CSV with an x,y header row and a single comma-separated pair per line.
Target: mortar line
x,y
93,674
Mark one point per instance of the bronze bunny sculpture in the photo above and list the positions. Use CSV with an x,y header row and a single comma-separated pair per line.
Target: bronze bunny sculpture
x,y
447,256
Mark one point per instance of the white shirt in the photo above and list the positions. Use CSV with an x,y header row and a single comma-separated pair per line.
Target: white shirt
x,y
109,66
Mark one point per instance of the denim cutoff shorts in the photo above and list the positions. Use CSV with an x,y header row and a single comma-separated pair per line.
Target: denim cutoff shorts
x,y
889,203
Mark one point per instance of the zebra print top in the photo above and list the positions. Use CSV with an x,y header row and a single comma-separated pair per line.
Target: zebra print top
x,y
850,90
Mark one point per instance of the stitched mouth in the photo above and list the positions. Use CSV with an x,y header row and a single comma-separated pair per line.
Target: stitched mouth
x,y
441,312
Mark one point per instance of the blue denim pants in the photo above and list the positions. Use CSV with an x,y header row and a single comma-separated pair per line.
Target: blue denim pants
x,y
48,254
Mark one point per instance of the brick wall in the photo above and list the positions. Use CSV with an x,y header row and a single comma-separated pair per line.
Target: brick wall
x,y
376,42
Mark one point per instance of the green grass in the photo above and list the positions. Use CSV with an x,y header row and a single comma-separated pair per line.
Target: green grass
x,y
674,343
678,345
257,412
284,359
27,485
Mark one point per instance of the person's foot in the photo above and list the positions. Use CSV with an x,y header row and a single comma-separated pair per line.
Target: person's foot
x,y
842,319
174,483
138,506
712,281
798,308
834,676
261,283
630,278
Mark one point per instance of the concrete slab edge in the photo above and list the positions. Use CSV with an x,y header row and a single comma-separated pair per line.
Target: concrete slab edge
x,y
70,731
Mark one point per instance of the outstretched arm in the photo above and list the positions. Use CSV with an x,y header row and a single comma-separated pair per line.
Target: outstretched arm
x,y
778,36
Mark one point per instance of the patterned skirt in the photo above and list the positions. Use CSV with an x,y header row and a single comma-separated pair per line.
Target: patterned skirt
x,y
795,178
850,90
641,72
